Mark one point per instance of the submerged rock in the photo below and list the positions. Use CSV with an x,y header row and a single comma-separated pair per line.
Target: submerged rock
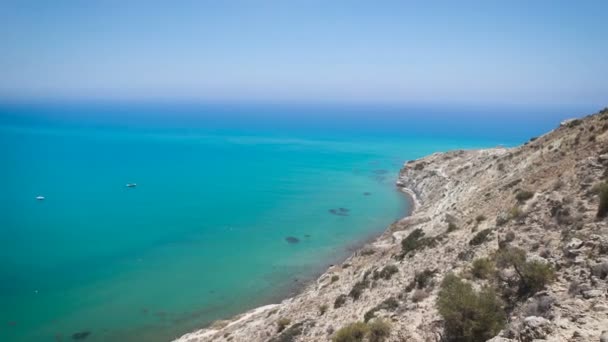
x,y
81,335
292,239
367,193
339,211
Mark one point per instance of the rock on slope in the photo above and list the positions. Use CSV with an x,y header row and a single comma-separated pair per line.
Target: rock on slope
x,y
458,195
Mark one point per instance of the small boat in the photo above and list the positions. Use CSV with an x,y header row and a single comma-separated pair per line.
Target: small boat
x,y
40,198
131,185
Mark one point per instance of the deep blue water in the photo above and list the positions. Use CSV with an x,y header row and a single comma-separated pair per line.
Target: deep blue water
x,y
220,188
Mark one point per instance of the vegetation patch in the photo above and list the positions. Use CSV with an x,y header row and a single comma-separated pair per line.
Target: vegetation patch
x,y
480,218
353,332
358,288
469,315
340,301
386,273
524,195
389,304
376,331
424,278
480,237
533,275
452,227
483,268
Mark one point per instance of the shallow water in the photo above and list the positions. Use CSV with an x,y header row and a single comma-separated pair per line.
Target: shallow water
x,y
230,211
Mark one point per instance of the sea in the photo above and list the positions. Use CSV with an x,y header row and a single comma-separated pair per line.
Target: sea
x,y
235,205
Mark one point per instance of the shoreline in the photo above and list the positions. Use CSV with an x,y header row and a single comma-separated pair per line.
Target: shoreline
x,y
303,285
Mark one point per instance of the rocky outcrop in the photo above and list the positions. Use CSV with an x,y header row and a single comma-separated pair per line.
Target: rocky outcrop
x,y
539,197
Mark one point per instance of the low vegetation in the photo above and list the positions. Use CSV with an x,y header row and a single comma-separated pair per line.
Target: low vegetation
x,y
480,237
533,275
452,227
523,195
375,331
469,316
483,268
386,273
353,332
389,304
340,300
358,289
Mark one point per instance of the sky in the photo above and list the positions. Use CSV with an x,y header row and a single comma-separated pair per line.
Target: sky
x,y
501,52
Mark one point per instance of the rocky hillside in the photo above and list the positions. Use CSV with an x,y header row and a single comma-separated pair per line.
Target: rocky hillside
x,y
504,244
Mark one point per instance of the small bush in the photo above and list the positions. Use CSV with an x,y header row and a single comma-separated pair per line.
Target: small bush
x,y
483,268
602,210
389,304
322,309
480,218
358,289
340,300
282,323
536,275
523,196
452,227
516,213
533,275
468,315
379,330
354,332
424,278
386,273
510,236
480,237
410,242
335,278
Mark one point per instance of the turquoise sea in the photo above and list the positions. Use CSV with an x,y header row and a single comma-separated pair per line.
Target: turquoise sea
x,y
235,206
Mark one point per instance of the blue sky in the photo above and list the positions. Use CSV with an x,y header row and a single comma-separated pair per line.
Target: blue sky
x,y
500,52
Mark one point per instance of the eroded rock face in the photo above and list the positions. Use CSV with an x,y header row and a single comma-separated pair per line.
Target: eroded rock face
x,y
475,190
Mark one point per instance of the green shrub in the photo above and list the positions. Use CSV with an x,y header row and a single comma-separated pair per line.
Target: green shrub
x,y
480,218
602,210
389,304
335,278
322,309
536,275
424,278
480,237
358,289
354,332
282,323
386,273
452,227
379,330
340,300
533,275
523,195
482,268
469,316
410,242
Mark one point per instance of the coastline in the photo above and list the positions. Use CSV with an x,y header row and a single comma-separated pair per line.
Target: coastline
x,y
351,251
300,287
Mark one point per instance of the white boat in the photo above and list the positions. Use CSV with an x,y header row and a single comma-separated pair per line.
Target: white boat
x,y
131,185
40,198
